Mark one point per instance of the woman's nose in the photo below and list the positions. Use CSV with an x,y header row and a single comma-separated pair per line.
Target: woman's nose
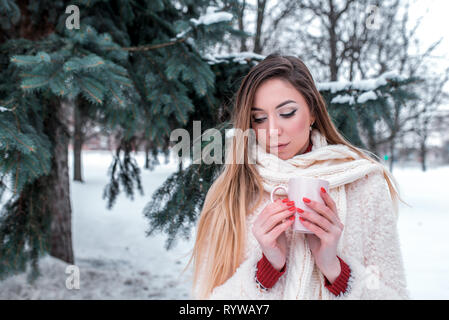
x,y
273,129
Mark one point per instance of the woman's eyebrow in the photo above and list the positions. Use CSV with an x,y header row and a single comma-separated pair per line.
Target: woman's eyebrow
x,y
278,106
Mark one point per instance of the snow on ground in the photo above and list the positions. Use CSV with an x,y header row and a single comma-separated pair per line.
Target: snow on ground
x,y
117,261
115,258
423,231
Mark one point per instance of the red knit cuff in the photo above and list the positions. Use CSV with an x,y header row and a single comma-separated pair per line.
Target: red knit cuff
x,y
341,283
267,275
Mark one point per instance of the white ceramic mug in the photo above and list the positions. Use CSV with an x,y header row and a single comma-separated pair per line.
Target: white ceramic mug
x,y
298,188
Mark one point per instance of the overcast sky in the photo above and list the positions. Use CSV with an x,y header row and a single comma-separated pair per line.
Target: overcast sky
x,y
434,25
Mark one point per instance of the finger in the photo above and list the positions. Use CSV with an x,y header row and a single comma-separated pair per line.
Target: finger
x,y
322,209
282,198
319,232
329,201
272,208
277,218
318,220
276,231
332,205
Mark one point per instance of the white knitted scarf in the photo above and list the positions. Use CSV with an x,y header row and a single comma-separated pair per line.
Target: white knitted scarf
x,y
337,164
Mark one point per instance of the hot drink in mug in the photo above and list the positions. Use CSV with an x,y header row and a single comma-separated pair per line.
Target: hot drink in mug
x,y
298,188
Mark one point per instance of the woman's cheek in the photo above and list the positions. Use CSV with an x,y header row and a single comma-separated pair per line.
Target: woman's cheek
x,y
293,126
299,125
261,137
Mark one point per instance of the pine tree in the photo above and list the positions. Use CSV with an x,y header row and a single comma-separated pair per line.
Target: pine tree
x,y
175,205
357,106
139,66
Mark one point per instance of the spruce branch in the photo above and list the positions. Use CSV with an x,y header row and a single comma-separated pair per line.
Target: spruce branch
x,y
148,47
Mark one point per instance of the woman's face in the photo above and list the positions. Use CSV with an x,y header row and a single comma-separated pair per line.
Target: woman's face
x,y
282,111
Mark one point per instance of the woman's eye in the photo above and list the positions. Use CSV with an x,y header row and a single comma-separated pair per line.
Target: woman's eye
x,y
285,115
288,115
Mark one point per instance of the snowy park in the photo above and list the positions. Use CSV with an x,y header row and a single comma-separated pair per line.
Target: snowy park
x,y
117,261
94,94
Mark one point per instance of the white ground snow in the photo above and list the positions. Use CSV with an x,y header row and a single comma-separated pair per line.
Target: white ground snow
x,y
117,261
115,258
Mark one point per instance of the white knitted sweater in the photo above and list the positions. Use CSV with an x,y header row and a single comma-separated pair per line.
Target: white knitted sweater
x,y
369,243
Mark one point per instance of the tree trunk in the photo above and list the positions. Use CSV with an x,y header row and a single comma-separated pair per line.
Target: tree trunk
x,y
240,16
423,152
78,141
392,156
57,187
333,43
372,145
259,23
147,158
54,187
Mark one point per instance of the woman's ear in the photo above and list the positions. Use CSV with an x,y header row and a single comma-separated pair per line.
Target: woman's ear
x,y
312,121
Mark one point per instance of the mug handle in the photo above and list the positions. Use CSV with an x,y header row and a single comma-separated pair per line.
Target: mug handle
x,y
275,188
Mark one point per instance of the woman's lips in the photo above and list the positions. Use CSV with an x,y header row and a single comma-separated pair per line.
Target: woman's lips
x,y
280,146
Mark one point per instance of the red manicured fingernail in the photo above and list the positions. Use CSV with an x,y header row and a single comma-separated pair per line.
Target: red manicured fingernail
x,y
291,208
306,200
300,218
323,190
299,210
290,203
291,218
285,200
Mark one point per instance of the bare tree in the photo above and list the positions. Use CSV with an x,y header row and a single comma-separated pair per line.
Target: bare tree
x,y
353,39
262,22
432,96
82,129
240,18
392,49
329,47
362,39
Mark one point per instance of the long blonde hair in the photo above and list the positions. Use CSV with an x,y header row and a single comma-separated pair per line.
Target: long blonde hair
x,y
221,230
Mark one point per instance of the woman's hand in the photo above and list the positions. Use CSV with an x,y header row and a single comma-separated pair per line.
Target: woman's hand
x,y
327,230
269,227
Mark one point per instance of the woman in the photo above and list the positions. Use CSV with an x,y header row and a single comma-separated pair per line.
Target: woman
x,y
245,248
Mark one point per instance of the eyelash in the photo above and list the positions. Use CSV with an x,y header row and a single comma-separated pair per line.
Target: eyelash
x,y
287,115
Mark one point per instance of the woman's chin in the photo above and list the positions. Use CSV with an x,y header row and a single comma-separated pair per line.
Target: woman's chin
x,y
281,155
